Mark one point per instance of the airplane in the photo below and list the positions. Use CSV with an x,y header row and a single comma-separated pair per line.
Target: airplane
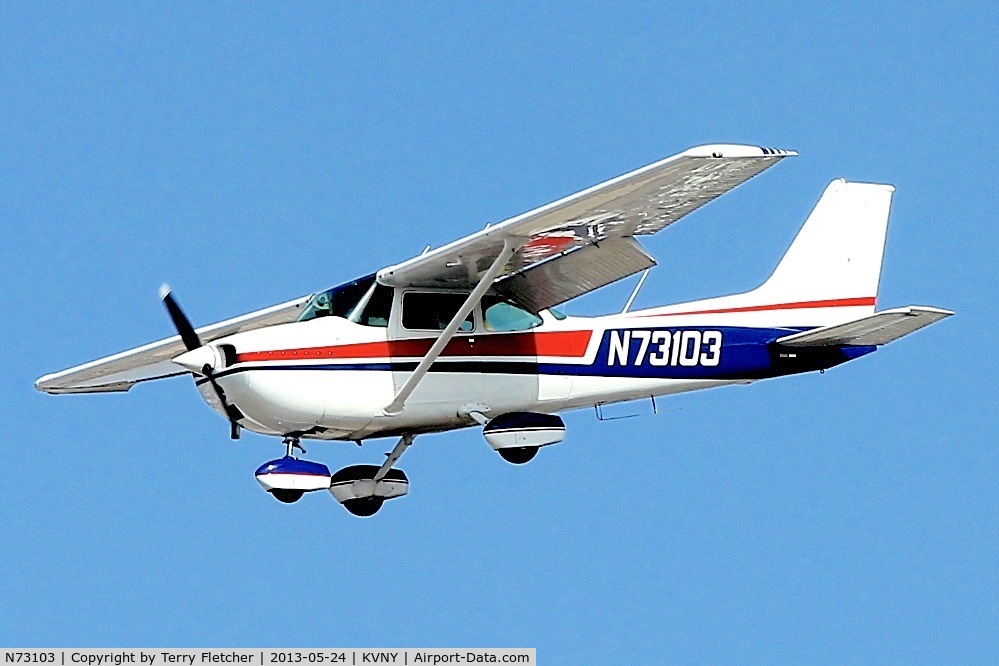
x,y
469,334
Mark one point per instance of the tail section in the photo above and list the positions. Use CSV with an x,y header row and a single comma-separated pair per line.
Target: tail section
x,y
828,276
836,257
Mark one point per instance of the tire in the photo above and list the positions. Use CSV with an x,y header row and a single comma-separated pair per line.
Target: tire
x,y
364,506
518,455
287,496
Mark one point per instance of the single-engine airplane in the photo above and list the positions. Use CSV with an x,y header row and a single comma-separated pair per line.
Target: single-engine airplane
x,y
469,335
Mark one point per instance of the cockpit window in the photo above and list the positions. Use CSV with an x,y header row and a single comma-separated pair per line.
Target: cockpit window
x,y
500,314
338,301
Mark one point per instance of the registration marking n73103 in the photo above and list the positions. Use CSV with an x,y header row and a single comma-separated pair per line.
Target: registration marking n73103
x,y
661,348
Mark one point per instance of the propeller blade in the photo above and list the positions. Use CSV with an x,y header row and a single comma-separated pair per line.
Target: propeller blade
x,y
192,342
179,319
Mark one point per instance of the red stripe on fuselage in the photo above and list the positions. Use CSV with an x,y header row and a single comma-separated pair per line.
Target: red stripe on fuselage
x,y
801,305
570,344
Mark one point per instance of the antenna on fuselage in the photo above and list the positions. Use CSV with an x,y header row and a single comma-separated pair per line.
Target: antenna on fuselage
x,y
638,287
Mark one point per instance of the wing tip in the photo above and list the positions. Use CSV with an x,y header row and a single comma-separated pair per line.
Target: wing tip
x,y
50,384
717,150
931,310
43,384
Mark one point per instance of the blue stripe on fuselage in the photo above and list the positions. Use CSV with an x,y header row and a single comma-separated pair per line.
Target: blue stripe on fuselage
x,y
719,352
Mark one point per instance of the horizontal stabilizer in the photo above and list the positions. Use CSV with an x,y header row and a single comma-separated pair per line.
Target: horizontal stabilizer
x,y
878,329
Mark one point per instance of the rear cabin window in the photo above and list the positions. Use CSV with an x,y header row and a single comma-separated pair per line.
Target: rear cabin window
x,y
433,312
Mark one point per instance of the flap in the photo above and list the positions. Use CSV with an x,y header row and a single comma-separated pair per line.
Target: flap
x,y
575,272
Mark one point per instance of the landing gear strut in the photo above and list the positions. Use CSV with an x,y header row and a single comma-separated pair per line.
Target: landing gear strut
x,y
286,495
292,443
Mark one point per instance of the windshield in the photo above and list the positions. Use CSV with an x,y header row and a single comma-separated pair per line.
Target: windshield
x,y
338,301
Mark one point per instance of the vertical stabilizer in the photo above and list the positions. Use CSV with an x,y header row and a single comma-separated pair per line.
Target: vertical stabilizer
x,y
837,254
828,276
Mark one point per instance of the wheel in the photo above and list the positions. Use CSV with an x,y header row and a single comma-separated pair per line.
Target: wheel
x,y
287,496
364,506
518,455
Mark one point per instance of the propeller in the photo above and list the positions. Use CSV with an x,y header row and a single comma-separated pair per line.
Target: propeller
x,y
179,319
199,358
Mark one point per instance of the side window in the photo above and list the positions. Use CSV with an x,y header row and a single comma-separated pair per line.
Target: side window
x,y
432,312
501,315
379,307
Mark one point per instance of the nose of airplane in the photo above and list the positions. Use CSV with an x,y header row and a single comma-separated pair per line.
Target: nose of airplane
x,y
196,359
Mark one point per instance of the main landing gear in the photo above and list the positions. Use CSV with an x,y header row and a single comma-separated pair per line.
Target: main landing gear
x,y
517,436
361,489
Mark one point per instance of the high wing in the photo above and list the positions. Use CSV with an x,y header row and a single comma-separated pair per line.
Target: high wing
x,y
560,251
878,329
585,241
122,371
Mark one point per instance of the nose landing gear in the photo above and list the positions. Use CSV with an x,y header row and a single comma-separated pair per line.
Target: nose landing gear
x,y
289,478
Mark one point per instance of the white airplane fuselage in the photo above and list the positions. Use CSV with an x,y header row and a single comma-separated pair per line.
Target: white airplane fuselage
x,y
330,378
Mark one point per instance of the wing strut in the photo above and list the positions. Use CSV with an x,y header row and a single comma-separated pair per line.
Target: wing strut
x,y
638,288
395,407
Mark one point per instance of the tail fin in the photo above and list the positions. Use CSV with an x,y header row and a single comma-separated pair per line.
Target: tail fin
x,y
837,255
829,275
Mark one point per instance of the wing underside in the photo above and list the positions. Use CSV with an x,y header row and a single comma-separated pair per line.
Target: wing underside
x,y
575,231
153,361
565,276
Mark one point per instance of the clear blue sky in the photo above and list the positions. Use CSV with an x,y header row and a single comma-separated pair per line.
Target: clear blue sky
x,y
250,154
